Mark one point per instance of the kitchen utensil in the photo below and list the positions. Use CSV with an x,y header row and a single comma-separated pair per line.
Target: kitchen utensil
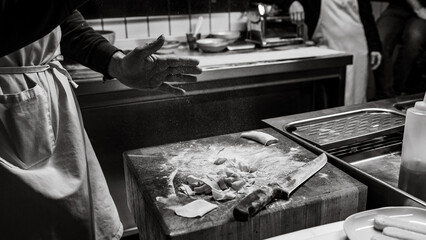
x,y
360,226
191,38
266,30
212,44
255,201
198,26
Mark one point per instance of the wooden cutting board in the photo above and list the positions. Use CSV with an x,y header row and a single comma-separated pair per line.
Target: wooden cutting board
x,y
329,196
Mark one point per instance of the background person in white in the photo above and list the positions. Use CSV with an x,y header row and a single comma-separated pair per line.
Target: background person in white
x,y
346,25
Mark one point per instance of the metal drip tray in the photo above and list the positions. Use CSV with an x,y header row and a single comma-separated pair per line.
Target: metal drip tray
x,y
383,165
379,157
342,129
369,139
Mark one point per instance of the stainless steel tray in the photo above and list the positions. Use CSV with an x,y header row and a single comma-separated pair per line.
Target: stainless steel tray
x,y
340,129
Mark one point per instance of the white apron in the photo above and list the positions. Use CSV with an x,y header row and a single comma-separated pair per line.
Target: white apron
x,y
51,184
339,27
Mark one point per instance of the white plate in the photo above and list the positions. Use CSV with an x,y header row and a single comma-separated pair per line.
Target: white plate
x,y
360,226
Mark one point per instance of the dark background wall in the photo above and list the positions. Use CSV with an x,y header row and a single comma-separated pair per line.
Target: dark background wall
x,y
132,8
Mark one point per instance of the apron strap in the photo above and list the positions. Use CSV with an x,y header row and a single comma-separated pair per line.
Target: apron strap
x,y
23,69
54,63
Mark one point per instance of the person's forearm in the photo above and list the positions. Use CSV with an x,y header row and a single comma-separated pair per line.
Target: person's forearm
x,y
23,22
415,4
82,44
418,8
114,66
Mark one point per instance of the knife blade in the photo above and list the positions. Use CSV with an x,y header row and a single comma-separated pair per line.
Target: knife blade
x,y
258,199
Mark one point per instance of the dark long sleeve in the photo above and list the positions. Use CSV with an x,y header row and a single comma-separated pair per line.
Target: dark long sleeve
x,y
82,44
23,22
370,27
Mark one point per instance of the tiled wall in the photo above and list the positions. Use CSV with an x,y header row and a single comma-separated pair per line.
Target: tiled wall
x,y
132,19
131,8
173,26
147,19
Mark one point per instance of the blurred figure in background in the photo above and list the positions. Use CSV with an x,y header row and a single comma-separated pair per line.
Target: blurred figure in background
x,y
345,25
403,22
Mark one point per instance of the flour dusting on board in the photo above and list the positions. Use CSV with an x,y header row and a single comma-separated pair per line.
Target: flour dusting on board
x,y
199,159
253,164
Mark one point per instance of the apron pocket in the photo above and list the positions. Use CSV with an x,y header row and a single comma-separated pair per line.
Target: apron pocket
x,y
29,126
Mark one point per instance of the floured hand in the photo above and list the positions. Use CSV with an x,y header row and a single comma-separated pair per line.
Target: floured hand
x,y
142,69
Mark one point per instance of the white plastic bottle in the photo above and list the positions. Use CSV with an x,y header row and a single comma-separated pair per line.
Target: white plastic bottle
x,y
412,175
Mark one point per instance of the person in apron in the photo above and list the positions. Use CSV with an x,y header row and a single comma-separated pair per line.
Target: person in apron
x,y
345,25
51,184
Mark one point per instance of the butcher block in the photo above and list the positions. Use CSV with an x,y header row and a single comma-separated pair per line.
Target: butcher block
x,y
154,177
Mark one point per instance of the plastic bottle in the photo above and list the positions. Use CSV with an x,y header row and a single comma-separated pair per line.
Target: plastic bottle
x,y
412,175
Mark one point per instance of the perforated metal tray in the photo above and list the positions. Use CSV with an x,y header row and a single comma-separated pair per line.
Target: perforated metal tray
x,y
349,127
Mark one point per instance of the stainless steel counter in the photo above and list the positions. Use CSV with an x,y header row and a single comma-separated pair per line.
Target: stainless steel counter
x,y
374,161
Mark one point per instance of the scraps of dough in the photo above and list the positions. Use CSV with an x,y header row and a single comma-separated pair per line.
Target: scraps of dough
x,y
223,170
197,208
241,168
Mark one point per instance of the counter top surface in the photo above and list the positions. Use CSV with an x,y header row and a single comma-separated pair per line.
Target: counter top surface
x,y
233,64
328,196
330,231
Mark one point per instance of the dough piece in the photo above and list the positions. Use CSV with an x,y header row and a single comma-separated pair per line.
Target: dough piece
x,y
170,183
193,181
187,190
230,173
243,167
197,208
222,184
382,221
403,234
229,181
222,195
220,161
210,183
237,185
203,189
379,236
260,137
